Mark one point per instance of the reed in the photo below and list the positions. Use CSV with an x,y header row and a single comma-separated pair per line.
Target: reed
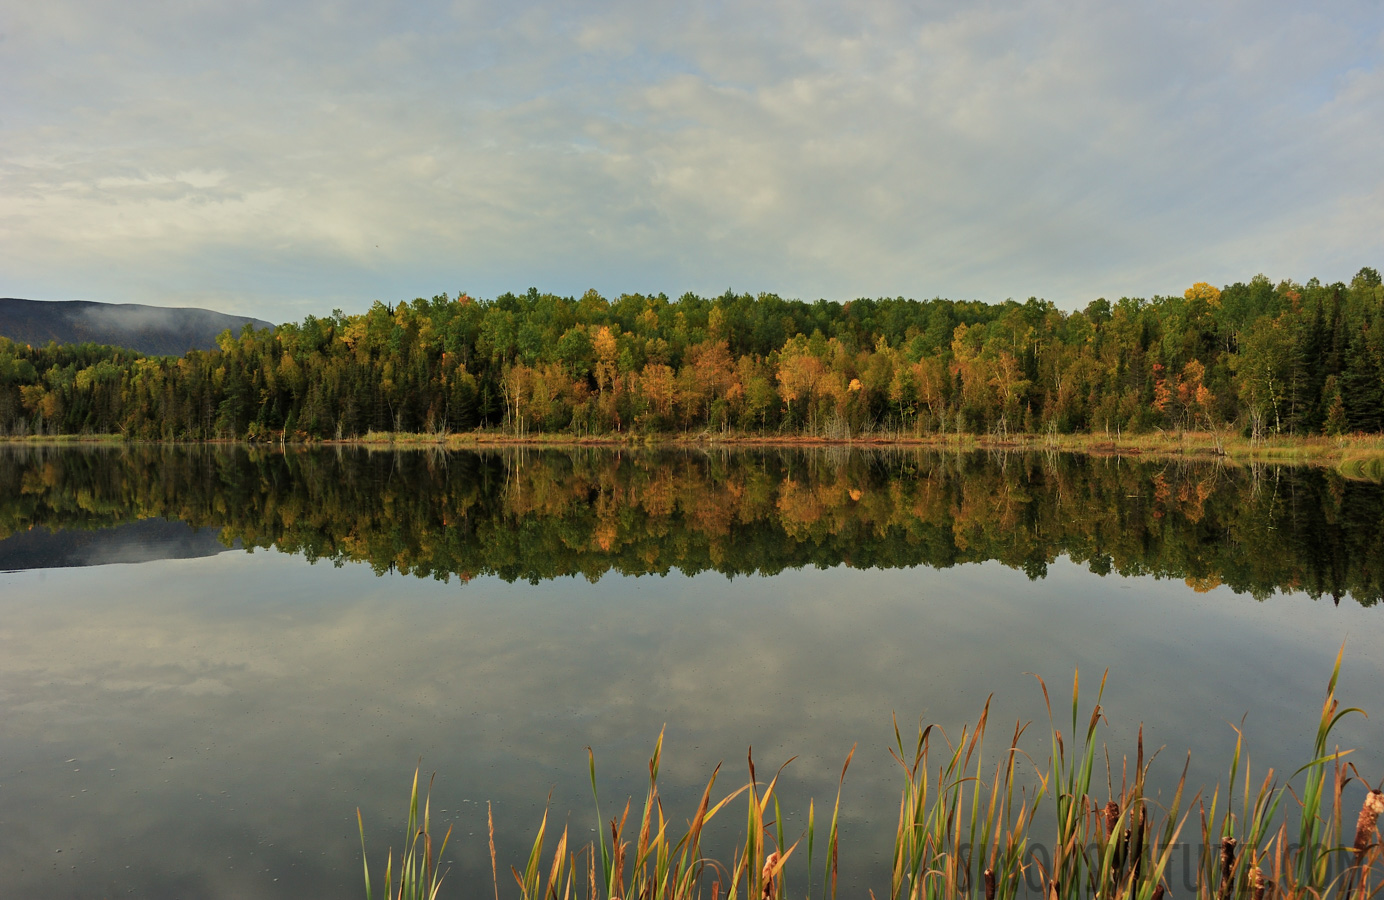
x,y
420,877
967,827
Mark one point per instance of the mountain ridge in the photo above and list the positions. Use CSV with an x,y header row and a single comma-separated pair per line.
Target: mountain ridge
x,y
155,330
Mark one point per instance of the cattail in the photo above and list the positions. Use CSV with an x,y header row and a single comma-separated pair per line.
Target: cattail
x,y
1364,837
1227,866
1369,819
766,875
1112,819
1257,878
1158,892
989,884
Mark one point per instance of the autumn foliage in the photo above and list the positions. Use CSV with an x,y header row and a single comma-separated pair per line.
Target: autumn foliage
x,y
1257,357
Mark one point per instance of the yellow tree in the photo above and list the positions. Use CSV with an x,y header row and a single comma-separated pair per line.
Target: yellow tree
x,y
930,378
1009,384
659,388
516,385
607,354
1203,291
799,374
977,394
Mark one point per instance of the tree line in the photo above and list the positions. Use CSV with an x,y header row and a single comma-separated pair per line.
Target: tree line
x,y
531,516
1258,357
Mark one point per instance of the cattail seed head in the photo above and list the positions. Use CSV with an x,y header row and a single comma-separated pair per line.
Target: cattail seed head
x,y
766,875
1227,867
1369,820
1228,854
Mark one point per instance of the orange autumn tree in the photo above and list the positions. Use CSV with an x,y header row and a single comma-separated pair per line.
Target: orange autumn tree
x,y
799,375
1196,398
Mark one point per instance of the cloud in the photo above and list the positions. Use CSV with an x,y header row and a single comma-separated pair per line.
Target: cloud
x,y
279,160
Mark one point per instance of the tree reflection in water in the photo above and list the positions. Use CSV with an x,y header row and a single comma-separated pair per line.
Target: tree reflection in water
x,y
526,515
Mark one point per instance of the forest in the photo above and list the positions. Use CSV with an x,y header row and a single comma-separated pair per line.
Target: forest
x,y
1257,358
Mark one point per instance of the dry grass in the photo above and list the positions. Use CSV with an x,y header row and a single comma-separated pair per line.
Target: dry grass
x,y
471,439
1357,455
62,439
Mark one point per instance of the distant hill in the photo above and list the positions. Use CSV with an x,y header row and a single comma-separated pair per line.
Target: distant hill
x,y
156,330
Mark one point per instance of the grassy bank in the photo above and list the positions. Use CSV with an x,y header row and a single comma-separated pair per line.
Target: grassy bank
x,y
1354,456
64,439
1359,456
968,826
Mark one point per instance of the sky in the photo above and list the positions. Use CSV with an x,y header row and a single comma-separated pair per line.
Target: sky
x,y
279,159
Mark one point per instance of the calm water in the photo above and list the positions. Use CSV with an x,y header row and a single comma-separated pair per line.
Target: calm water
x,y
191,709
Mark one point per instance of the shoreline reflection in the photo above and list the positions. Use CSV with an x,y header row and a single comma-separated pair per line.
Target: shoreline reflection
x,y
532,516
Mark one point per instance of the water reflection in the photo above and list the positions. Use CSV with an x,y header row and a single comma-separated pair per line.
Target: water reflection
x,y
135,542
532,516
208,726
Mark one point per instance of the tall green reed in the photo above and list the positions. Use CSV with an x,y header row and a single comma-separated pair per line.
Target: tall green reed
x,y
968,827
420,877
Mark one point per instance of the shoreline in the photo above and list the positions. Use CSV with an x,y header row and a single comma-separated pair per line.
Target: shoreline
x,y
1353,455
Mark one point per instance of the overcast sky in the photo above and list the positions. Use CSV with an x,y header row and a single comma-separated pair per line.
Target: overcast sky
x,y
277,158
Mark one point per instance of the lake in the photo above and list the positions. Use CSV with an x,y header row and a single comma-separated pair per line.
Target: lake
x,y
210,657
